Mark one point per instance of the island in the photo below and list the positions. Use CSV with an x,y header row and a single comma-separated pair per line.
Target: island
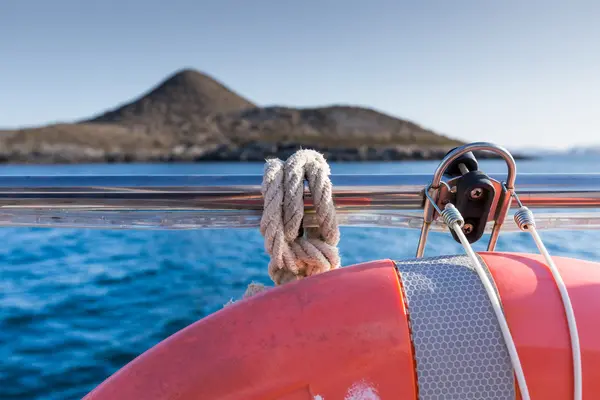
x,y
191,117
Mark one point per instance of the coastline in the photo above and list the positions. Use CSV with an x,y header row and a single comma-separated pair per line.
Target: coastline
x,y
253,152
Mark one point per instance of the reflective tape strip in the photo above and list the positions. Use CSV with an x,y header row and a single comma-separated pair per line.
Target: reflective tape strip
x,y
459,349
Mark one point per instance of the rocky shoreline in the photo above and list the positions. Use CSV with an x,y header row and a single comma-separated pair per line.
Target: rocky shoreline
x,y
252,152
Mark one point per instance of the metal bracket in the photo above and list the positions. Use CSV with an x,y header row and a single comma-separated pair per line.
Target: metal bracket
x,y
440,192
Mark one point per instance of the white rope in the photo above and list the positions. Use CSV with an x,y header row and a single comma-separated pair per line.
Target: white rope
x,y
571,321
526,222
492,295
293,255
454,220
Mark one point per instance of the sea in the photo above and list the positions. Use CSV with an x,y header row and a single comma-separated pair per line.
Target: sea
x,y
78,304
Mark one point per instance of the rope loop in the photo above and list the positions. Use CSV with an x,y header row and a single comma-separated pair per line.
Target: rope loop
x,y
296,252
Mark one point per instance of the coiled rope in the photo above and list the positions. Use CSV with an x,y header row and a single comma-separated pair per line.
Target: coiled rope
x,y
296,252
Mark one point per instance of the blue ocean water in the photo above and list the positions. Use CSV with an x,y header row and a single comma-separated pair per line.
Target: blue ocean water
x,y
78,304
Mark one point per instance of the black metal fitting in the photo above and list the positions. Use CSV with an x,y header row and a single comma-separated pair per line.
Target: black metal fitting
x,y
474,198
473,195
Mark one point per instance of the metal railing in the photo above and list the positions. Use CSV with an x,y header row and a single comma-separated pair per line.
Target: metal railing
x,y
234,201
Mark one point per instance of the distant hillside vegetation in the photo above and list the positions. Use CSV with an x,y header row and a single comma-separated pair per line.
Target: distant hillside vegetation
x,y
192,117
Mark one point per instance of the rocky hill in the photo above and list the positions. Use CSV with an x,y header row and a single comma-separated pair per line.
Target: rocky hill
x,y
192,117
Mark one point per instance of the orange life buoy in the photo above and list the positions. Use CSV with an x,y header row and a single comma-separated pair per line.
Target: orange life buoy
x,y
381,330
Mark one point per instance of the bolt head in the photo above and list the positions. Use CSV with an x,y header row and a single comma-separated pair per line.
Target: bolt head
x,y
476,193
467,228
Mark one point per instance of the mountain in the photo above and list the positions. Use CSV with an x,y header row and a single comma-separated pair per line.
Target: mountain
x,y
193,117
188,96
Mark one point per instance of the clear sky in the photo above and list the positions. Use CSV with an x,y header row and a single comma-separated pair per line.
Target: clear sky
x,y
516,72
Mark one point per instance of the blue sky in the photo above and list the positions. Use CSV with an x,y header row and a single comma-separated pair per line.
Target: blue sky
x,y
519,73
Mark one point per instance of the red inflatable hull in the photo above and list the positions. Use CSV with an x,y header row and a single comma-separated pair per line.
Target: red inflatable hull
x,y
345,334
